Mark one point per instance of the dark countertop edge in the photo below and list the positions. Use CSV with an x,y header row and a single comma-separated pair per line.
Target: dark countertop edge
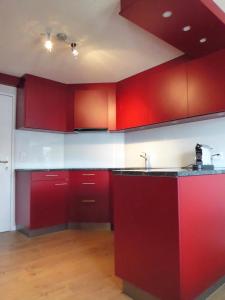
x,y
65,169
180,173
139,172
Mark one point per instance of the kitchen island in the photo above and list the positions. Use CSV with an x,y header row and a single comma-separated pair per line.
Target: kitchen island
x,y
169,232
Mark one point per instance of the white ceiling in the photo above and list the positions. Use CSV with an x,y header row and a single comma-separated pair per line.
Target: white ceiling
x,y
111,48
221,4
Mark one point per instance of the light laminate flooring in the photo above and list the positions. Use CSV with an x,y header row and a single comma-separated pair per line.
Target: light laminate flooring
x,y
68,265
76,265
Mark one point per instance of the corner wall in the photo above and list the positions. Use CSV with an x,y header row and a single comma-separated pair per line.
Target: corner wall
x,y
174,146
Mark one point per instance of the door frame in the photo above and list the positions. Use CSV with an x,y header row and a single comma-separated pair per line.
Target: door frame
x,y
11,92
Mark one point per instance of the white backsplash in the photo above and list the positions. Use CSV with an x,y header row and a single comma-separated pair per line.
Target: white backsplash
x,y
174,146
38,150
171,146
54,150
95,150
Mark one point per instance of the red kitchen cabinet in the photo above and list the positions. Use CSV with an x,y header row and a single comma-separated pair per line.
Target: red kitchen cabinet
x,y
48,205
169,233
41,199
153,96
90,198
167,92
206,88
146,233
44,104
94,106
132,103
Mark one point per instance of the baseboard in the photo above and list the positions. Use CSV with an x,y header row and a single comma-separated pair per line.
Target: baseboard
x,y
41,231
90,226
136,293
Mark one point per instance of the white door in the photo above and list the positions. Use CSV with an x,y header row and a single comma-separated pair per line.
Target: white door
x,y
6,129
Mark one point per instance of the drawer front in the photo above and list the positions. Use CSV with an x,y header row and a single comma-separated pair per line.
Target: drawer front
x,y
89,177
91,209
50,175
90,184
89,196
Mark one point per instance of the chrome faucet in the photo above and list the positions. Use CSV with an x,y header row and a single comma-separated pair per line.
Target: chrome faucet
x,y
144,156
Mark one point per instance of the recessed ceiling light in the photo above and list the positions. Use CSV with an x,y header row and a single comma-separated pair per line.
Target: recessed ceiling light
x,y
203,40
167,14
186,28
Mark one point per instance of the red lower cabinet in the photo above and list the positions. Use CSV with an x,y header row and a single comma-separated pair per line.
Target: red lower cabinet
x,y
48,206
169,233
41,199
51,198
89,197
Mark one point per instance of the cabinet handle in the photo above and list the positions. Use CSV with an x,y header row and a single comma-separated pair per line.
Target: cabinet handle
x,y
51,175
3,161
63,183
88,201
88,174
88,182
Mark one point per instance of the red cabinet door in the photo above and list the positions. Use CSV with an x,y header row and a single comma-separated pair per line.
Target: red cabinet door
x,y
146,233
91,109
89,200
49,203
167,92
206,87
95,106
44,104
154,96
133,107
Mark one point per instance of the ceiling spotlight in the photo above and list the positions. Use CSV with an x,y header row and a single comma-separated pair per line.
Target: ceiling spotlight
x,y
186,28
167,14
48,42
203,40
74,50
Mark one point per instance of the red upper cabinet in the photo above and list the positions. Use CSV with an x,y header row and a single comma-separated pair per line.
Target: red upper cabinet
x,y
153,96
133,107
167,92
94,106
206,87
44,104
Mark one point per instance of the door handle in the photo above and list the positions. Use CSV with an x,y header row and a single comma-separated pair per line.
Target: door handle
x,y
3,161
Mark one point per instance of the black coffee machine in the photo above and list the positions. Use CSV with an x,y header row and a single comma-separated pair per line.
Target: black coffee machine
x,y
200,164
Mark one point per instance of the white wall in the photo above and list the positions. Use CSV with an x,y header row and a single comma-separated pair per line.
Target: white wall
x,y
95,150
173,146
38,150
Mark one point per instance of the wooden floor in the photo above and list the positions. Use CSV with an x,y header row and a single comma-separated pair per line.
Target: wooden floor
x,y
76,265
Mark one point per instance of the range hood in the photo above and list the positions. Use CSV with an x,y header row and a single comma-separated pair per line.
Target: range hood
x,y
89,129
